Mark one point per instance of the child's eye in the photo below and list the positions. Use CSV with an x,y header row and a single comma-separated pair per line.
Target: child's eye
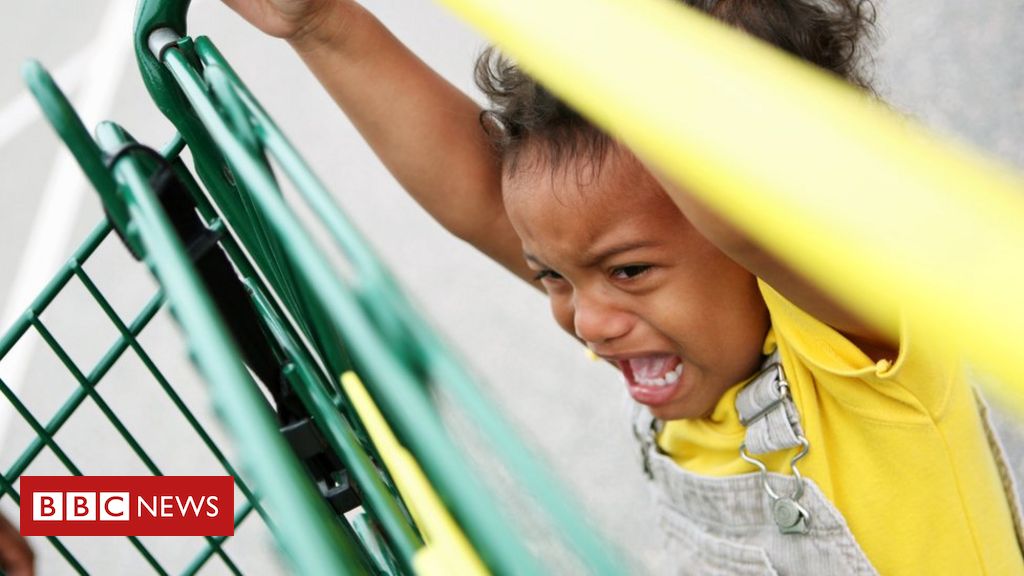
x,y
630,272
548,274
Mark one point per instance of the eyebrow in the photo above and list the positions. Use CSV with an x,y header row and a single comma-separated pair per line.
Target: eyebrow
x,y
594,258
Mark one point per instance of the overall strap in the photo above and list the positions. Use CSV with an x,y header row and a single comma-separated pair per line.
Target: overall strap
x,y
645,429
767,411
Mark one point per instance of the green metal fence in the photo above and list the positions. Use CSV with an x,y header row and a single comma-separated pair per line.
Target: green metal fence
x,y
271,325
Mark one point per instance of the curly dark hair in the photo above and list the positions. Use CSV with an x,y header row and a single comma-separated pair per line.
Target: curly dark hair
x,y
835,35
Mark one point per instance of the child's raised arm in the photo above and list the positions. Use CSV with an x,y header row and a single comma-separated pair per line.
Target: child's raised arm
x,y
794,287
424,129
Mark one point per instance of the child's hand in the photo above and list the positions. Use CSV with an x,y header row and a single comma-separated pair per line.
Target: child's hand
x,y
430,139
300,22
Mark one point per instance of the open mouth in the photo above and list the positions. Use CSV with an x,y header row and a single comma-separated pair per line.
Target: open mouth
x,y
654,379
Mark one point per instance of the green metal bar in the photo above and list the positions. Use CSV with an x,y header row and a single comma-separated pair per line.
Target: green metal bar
x,y
381,555
53,287
366,264
302,302
261,243
240,514
203,557
305,314
421,428
69,127
313,330
209,213
343,441
171,14
377,291
344,527
369,270
252,280
304,527
231,244
153,14
41,433
393,309
44,436
375,284
172,150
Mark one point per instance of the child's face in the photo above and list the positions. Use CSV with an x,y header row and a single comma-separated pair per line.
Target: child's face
x,y
629,276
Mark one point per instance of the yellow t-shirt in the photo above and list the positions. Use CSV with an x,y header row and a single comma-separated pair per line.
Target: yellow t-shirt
x,y
899,448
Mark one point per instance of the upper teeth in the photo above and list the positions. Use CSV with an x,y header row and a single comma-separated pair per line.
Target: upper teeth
x,y
670,378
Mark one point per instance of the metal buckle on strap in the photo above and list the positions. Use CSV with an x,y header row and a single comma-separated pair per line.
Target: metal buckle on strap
x,y
789,516
782,389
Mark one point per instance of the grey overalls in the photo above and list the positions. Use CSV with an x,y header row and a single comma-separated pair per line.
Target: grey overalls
x,y
762,523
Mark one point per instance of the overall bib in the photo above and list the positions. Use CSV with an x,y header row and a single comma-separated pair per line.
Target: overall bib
x,y
763,522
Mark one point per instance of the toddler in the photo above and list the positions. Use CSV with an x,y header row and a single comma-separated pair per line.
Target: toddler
x,y
783,434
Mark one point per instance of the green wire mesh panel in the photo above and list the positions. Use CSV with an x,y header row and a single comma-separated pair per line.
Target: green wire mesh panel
x,y
70,416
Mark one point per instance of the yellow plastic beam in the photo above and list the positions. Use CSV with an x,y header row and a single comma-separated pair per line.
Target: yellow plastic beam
x,y
446,550
870,207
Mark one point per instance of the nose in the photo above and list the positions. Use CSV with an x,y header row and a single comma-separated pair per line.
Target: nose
x,y
597,320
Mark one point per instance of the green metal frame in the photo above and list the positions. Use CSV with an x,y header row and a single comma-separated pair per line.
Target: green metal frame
x,y
321,324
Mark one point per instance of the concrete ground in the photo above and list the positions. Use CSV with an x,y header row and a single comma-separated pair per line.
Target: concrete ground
x,y
954,66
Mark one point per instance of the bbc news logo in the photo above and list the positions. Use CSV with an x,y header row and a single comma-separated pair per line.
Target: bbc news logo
x,y
127,505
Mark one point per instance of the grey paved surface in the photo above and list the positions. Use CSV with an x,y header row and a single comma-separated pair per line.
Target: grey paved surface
x,y
954,65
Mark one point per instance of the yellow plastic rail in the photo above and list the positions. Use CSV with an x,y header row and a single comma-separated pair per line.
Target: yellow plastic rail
x,y
446,550
872,208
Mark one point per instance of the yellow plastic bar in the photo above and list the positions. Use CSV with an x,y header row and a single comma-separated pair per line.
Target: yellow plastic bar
x,y
873,209
446,550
